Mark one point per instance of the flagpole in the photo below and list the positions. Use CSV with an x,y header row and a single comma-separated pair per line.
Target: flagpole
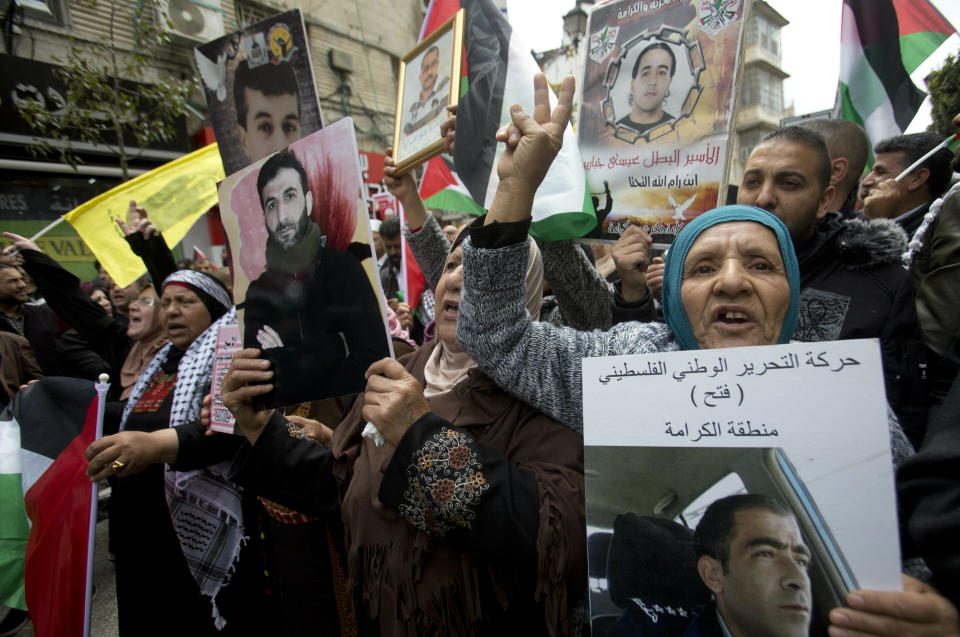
x,y
50,226
101,388
404,288
933,151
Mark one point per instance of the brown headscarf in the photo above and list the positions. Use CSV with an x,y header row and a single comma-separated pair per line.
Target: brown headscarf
x,y
140,354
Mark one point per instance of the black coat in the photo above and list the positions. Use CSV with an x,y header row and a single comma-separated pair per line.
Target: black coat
x,y
41,329
329,321
853,285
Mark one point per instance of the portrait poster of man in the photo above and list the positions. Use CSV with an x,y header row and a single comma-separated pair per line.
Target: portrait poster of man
x,y
429,81
259,87
656,111
304,275
732,500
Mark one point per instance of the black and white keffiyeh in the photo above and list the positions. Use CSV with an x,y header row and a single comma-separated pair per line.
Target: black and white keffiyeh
x,y
916,242
204,505
203,284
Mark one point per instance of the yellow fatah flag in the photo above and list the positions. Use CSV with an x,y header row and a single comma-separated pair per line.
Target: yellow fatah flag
x,y
174,195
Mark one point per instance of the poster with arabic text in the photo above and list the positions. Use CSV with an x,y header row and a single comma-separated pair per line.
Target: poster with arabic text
x,y
793,441
657,110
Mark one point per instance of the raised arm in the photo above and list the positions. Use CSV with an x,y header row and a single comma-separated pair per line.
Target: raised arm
x,y
422,231
105,334
147,243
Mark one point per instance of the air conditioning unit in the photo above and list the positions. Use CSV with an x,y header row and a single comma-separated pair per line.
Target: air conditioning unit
x,y
192,22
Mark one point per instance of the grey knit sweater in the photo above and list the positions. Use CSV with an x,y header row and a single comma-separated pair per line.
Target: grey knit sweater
x,y
535,361
583,298
541,363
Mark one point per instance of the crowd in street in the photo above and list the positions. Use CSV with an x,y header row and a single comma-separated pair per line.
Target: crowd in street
x,y
468,516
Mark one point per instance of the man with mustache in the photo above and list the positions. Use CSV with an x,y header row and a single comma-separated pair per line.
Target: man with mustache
x,y
312,311
753,559
432,97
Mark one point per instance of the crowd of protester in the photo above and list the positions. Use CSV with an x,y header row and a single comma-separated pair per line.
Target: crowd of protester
x,y
469,518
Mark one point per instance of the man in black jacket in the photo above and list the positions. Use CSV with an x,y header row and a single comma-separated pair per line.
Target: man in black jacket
x,y
905,201
36,323
852,282
752,557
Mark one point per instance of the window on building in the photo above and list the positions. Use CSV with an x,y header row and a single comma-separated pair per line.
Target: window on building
x,y
765,33
763,88
749,140
249,13
52,11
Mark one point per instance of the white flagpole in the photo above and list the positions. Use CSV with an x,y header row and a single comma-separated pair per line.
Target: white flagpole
x,y
933,151
48,228
403,255
101,388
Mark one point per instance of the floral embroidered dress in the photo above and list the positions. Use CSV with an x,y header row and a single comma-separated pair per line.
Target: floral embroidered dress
x,y
473,525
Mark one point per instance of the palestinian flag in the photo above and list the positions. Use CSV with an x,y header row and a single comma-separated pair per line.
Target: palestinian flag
x,y
200,254
500,73
881,43
43,434
412,281
441,188
922,30
13,517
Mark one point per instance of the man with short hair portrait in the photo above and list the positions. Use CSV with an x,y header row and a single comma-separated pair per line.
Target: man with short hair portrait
x,y
649,87
313,311
752,557
433,93
267,101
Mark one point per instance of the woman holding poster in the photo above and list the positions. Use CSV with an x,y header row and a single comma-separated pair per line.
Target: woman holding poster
x,y
182,559
468,519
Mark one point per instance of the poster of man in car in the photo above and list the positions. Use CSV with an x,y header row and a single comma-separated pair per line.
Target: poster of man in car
x,y
657,110
733,444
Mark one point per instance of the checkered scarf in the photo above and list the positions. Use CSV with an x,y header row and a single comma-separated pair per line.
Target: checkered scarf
x,y
204,505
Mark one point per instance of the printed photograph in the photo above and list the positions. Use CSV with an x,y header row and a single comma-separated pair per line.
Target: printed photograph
x,y
259,88
670,527
656,83
304,269
655,115
429,82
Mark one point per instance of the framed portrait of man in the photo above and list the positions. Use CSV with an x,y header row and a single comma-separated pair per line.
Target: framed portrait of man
x,y
304,271
259,88
653,83
429,82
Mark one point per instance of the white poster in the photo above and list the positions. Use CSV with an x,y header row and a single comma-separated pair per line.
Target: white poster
x,y
667,435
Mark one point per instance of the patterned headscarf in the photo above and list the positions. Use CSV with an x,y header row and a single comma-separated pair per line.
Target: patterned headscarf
x,y
211,291
206,494
673,310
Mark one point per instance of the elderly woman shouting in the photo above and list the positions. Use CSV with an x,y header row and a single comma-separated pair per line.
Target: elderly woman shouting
x,y
468,521
178,531
730,280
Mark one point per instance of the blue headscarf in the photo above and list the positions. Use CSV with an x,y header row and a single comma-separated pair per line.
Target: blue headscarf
x,y
673,268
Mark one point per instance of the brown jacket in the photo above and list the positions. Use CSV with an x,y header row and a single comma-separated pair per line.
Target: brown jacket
x,y
18,365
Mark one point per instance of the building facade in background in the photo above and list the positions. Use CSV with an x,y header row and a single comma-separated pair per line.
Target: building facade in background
x,y
355,49
760,104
